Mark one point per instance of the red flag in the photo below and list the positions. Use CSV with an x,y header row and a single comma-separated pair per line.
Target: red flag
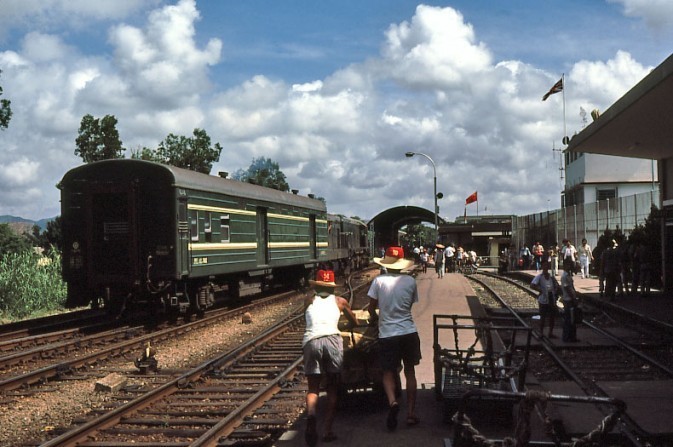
x,y
558,87
471,198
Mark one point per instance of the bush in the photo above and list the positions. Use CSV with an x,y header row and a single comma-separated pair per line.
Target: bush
x,y
30,284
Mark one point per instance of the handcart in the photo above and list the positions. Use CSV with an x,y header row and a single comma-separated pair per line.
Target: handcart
x,y
479,353
467,434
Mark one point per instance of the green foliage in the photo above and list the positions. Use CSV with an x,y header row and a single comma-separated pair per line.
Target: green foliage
x,y
10,242
417,235
195,153
98,139
30,283
5,111
49,239
264,172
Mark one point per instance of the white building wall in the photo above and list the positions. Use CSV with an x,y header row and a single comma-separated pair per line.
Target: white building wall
x,y
593,172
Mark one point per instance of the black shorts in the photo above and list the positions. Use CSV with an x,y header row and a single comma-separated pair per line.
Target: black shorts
x,y
403,348
547,310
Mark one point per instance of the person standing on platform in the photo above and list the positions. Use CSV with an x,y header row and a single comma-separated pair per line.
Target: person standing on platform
x,y
538,253
586,258
439,260
610,261
553,258
513,257
424,260
548,288
568,251
525,256
570,303
449,258
393,295
323,351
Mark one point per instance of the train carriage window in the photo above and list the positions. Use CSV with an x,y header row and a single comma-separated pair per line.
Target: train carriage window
x,y
224,228
207,227
206,222
194,226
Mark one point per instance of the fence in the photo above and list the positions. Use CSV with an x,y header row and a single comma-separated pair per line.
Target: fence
x,y
587,221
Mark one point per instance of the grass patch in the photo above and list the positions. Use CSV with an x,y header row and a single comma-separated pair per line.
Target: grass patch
x,y
30,285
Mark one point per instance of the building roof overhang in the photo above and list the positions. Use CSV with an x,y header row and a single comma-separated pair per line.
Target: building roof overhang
x,y
638,125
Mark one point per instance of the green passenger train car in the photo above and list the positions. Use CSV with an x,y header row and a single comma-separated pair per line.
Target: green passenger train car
x,y
138,233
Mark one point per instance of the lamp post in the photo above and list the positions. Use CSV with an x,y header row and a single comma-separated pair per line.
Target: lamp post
x,y
434,170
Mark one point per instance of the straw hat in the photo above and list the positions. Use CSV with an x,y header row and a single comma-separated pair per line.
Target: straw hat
x,y
439,246
394,259
324,278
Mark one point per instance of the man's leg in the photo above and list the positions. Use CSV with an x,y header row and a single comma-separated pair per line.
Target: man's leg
x,y
410,376
311,434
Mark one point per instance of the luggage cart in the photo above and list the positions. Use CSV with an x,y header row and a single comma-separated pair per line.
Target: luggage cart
x,y
468,435
470,353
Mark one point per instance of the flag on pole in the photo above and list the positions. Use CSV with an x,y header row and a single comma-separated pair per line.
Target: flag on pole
x,y
558,87
472,198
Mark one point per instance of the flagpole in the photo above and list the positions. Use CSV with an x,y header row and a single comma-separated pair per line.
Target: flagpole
x,y
565,135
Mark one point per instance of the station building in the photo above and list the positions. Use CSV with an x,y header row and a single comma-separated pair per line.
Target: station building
x,y
640,125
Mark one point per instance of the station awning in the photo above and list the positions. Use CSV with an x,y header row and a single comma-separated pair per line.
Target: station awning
x,y
638,125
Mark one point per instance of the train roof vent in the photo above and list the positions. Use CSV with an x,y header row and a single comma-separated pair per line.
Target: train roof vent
x,y
295,191
223,174
312,196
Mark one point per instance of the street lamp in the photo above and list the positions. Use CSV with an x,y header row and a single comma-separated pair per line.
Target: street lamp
x,y
434,169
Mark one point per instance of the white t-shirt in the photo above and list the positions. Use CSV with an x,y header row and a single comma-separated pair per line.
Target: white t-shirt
x,y
567,281
395,293
546,286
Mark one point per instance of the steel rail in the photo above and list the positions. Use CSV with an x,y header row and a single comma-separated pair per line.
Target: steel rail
x,y
79,434
629,427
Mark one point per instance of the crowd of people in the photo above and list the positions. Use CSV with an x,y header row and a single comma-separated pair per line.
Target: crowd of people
x,y
620,271
444,259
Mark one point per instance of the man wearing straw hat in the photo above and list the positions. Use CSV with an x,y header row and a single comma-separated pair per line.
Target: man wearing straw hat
x,y
393,294
323,350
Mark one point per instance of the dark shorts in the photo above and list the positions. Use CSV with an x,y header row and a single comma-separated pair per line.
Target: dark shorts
x,y
547,310
403,348
323,355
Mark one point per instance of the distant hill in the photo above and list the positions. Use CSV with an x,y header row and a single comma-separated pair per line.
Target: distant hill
x,y
21,225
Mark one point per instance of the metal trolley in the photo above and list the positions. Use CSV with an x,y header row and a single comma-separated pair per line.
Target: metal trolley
x,y
470,353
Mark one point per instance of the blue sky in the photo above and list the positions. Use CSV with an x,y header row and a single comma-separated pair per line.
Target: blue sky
x,y
335,92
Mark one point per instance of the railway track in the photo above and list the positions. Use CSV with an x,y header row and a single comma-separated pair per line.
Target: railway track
x,y
615,354
249,395
65,374
27,367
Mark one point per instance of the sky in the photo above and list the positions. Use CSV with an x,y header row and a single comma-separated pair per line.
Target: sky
x,y
335,92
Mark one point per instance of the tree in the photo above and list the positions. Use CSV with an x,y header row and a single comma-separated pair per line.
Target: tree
x,y
98,139
10,242
50,238
264,172
5,111
418,234
195,153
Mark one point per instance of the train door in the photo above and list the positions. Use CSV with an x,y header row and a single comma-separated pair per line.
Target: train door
x,y
113,234
262,237
183,255
312,237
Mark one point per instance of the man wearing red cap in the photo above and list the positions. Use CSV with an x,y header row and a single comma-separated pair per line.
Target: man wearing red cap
x,y
323,350
393,293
